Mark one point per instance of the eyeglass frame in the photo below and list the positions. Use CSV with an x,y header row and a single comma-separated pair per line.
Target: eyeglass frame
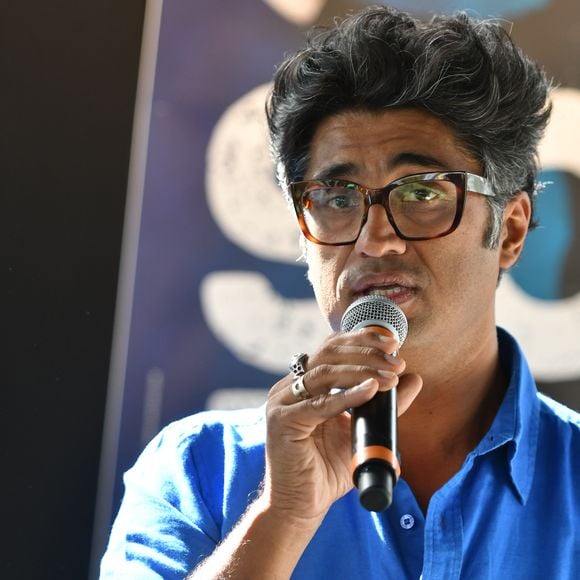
x,y
463,181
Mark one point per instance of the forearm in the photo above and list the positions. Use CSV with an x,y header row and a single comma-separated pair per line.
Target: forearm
x,y
264,544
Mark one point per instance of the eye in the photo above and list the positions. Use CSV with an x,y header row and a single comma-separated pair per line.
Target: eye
x,y
421,192
334,198
341,201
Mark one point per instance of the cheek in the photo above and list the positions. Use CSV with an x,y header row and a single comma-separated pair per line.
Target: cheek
x,y
471,278
461,269
324,268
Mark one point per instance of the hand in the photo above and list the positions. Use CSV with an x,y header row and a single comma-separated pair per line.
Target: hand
x,y
308,444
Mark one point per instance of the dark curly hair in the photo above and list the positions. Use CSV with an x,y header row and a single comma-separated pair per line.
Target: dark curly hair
x,y
467,72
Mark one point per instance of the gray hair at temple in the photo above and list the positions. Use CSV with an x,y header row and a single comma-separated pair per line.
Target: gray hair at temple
x,y
467,72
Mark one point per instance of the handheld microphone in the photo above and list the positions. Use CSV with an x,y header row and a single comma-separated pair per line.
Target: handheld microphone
x,y
375,465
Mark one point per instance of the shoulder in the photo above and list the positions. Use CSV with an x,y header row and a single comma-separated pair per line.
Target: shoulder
x,y
194,479
555,418
559,421
203,440
197,455
244,427
559,413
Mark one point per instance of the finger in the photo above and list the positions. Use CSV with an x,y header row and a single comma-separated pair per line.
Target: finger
x,y
409,387
362,337
386,340
312,412
324,378
369,353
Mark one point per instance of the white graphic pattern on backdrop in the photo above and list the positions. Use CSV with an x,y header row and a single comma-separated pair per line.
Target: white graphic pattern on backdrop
x,y
245,313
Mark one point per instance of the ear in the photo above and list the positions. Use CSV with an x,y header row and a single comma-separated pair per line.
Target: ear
x,y
516,220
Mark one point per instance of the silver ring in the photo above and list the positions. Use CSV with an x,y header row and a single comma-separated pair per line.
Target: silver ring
x,y
297,364
298,389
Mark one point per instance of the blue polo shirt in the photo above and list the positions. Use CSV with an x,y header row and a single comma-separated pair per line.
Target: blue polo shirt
x,y
511,511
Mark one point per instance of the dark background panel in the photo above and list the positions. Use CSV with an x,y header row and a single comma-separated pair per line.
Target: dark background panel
x,y
68,73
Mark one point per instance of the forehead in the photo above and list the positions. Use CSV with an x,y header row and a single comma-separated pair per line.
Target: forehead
x,y
356,143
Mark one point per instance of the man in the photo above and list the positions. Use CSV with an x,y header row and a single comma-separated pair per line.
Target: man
x,y
409,152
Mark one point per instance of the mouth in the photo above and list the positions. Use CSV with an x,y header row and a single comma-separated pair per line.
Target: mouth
x,y
386,291
398,294
397,290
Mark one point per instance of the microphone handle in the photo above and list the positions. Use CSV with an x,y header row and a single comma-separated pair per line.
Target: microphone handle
x,y
375,463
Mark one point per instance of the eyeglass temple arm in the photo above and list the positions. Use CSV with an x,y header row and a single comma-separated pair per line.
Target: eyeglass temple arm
x,y
479,184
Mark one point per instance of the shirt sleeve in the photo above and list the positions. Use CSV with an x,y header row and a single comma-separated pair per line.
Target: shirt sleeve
x,y
164,527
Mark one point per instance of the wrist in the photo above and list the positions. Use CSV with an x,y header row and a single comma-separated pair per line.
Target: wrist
x,y
294,505
266,543
278,512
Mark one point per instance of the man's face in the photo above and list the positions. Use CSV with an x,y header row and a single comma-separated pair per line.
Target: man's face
x,y
445,286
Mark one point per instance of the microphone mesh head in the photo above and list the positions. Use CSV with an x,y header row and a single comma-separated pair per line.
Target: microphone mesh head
x,y
375,310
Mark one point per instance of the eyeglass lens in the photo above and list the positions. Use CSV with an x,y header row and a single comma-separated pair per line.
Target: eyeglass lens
x,y
418,208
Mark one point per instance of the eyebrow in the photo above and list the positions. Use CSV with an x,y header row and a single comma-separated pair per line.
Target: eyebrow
x,y
335,171
339,170
426,161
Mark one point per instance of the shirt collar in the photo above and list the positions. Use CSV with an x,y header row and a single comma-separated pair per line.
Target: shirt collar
x,y
516,423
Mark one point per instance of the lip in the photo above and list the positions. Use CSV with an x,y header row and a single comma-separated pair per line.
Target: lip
x,y
396,287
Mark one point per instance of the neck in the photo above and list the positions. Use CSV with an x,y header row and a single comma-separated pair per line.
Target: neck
x,y
449,418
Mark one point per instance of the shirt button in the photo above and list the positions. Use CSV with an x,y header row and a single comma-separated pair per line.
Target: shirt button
x,y
407,521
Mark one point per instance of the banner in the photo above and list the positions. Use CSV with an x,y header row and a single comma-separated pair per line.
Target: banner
x,y
212,300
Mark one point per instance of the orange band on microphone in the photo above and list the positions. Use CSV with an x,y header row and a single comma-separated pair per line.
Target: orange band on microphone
x,y
376,452
385,332
381,330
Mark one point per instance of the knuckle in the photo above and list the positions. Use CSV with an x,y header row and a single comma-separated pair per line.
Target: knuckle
x,y
319,402
332,339
273,412
271,393
324,404
370,351
319,372
336,349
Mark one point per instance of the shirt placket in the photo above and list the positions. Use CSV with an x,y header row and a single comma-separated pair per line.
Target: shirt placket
x,y
443,545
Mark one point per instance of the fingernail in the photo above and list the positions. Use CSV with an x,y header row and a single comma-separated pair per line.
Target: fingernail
x,y
387,374
366,385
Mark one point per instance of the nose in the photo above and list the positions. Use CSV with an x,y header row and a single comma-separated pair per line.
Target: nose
x,y
378,238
